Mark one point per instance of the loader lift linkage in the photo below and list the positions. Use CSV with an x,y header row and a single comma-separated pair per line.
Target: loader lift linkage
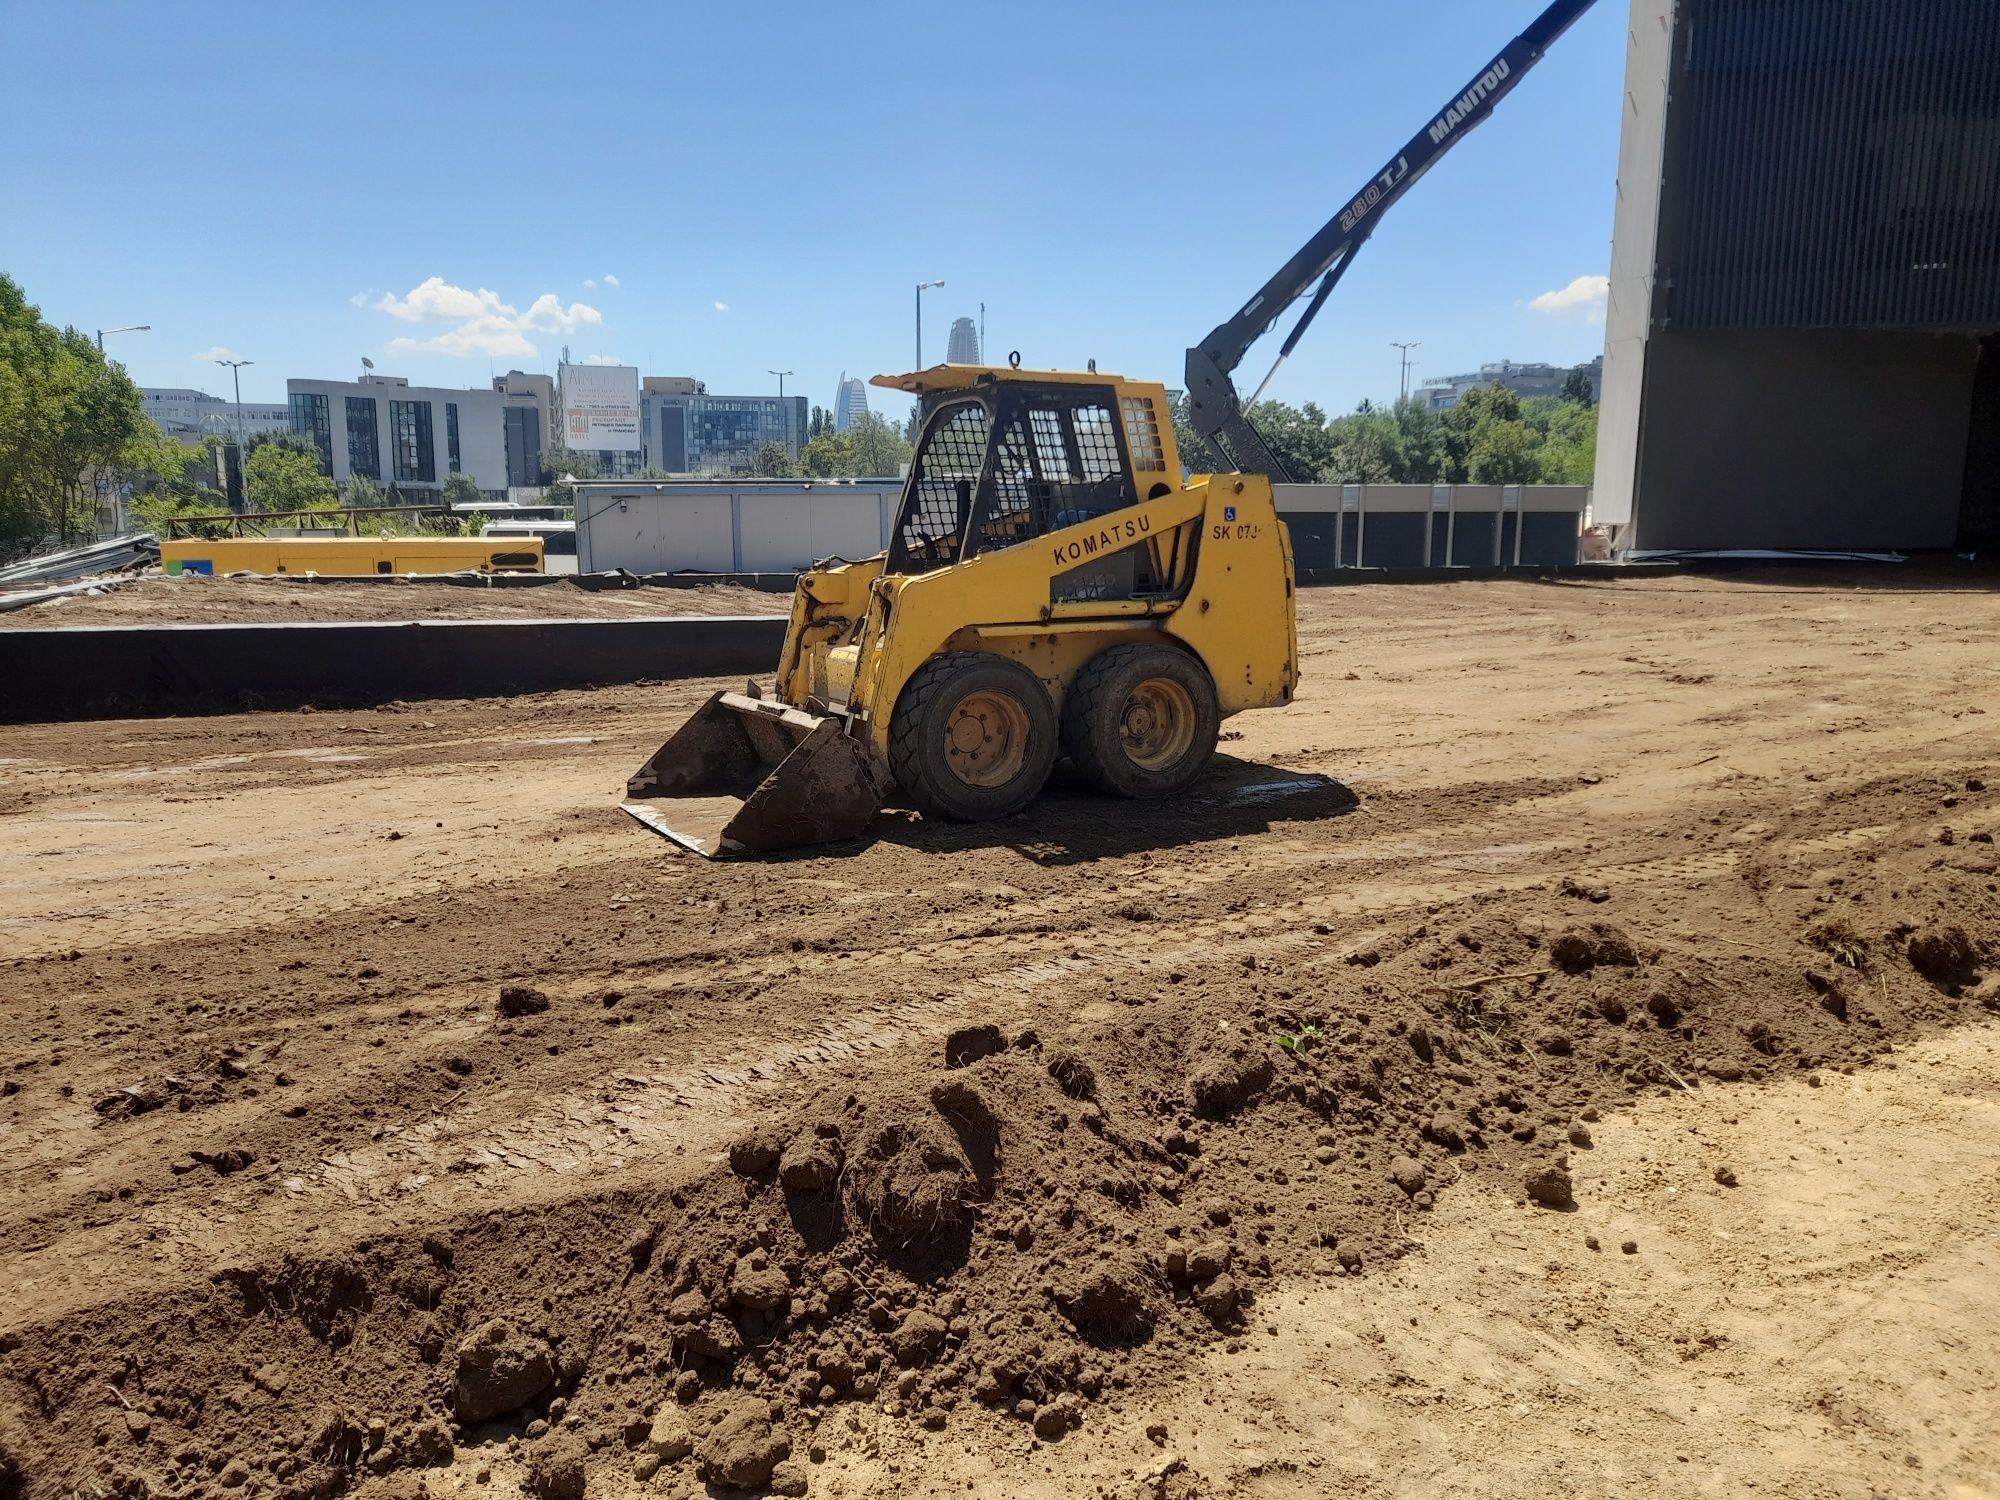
x,y
1055,585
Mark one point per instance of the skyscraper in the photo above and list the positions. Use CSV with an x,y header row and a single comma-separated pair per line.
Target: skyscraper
x,y
849,401
963,346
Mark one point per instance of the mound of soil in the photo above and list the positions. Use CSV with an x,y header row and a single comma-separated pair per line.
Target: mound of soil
x,y
1027,1229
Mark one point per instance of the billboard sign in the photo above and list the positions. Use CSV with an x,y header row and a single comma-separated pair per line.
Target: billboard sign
x,y
601,408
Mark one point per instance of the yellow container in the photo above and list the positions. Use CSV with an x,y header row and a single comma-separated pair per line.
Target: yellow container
x,y
343,556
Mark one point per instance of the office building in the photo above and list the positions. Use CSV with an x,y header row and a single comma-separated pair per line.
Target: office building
x,y
850,400
410,437
962,348
697,433
1446,391
189,416
1802,341
527,414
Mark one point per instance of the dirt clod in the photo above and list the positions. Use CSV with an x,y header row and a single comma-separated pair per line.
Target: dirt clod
x,y
1550,1186
555,1470
1227,1076
740,1448
499,1370
918,1337
757,1152
671,1435
1943,955
1581,948
1726,1176
810,1163
1110,1297
522,1000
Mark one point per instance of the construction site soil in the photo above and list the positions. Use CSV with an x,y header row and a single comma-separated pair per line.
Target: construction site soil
x,y
194,599
1556,1056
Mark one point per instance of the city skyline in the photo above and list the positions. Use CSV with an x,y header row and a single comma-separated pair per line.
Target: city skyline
x,y
1502,250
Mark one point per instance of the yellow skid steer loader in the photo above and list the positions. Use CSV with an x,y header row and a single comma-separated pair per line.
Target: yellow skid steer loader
x,y
1051,587
1055,584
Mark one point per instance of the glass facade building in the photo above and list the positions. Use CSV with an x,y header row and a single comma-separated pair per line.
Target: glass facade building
x,y
703,434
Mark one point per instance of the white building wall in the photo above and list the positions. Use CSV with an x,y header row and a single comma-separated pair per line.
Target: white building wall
x,y
1628,314
481,432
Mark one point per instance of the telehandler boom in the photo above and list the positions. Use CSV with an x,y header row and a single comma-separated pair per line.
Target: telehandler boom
x,y
1056,583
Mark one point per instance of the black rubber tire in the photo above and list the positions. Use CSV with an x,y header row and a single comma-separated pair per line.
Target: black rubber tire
x,y
917,755
1093,719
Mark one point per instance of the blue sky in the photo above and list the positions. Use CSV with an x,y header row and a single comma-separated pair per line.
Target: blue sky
x,y
721,189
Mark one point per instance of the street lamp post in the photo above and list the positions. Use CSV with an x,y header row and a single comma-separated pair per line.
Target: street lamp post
x,y
922,287
235,375
128,328
1406,348
784,416
117,496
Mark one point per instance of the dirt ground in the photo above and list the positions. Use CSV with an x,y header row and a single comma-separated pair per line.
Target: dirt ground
x,y
191,599
384,1110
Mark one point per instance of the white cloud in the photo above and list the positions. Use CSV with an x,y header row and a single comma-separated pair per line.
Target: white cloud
x,y
610,280
590,283
602,359
218,352
482,324
1586,295
722,307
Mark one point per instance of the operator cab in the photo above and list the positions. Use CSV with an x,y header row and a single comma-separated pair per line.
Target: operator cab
x,y
1008,455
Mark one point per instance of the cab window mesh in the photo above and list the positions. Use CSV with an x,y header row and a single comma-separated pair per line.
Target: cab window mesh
x,y
1142,433
947,478
1013,466
1097,443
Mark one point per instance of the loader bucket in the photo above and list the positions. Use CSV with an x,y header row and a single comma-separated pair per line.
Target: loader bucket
x,y
745,776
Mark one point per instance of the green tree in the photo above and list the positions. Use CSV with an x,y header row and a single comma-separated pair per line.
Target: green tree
x,y
1418,441
1297,436
277,477
1503,453
821,423
461,489
770,461
171,481
580,463
652,474
67,418
362,493
1576,388
878,451
827,455
1367,448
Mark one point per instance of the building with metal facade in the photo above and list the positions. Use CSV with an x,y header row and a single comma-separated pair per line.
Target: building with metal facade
x,y
189,416
703,434
1443,392
1803,330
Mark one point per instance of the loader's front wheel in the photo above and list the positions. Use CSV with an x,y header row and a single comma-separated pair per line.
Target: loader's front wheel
x,y
1141,721
973,737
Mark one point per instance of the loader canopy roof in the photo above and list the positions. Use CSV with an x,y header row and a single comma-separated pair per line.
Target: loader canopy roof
x,y
961,377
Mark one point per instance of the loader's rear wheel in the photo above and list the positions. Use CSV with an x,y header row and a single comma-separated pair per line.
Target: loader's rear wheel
x,y
1140,721
973,737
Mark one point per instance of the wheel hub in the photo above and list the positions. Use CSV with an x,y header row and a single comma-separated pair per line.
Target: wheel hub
x,y
1157,725
986,739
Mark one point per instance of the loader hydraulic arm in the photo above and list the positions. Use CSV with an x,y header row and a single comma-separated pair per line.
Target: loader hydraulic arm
x,y
1215,406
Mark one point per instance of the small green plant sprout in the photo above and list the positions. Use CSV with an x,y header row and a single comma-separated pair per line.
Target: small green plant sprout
x,y
1298,1041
